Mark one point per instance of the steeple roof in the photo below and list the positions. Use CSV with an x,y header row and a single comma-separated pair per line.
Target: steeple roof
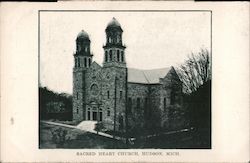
x,y
114,23
83,35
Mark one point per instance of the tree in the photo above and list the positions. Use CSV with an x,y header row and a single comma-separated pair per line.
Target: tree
x,y
196,71
195,75
48,100
99,127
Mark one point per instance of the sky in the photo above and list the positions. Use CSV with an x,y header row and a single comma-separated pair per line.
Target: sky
x,y
153,40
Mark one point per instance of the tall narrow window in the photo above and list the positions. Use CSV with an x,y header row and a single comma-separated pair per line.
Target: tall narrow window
x,y
89,62
172,98
100,115
129,105
122,56
146,102
88,113
77,111
138,102
78,48
108,94
120,94
110,55
108,112
106,56
79,64
85,62
118,55
146,107
121,122
75,62
118,38
165,103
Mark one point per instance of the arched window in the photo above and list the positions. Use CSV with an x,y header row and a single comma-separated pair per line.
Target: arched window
x,y
89,62
86,49
118,55
85,62
94,89
109,39
122,56
110,55
108,94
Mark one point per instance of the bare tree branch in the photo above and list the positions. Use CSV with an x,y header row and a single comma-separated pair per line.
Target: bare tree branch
x,y
195,71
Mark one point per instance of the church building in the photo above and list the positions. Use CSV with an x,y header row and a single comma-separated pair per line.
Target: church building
x,y
116,95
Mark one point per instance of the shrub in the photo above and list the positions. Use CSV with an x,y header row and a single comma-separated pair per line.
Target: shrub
x,y
59,136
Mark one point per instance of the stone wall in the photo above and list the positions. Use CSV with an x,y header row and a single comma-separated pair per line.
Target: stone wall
x,y
156,109
104,97
150,107
172,115
137,94
78,94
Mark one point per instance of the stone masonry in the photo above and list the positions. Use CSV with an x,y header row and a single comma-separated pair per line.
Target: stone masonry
x,y
113,93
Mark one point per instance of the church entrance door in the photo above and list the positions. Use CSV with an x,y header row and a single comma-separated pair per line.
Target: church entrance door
x,y
94,116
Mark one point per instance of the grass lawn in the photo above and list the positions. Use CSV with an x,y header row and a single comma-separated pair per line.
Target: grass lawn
x,y
76,139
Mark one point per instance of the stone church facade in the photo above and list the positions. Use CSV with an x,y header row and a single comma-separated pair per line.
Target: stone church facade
x,y
116,95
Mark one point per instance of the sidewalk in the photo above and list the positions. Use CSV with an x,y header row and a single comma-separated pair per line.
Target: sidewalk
x,y
79,127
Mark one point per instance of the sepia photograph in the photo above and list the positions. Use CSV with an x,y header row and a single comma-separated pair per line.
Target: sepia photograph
x,y
125,79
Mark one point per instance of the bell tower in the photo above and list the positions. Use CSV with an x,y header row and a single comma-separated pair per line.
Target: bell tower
x,y
115,76
82,61
83,57
114,50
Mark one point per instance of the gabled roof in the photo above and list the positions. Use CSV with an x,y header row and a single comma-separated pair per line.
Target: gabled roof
x,y
95,65
151,76
147,76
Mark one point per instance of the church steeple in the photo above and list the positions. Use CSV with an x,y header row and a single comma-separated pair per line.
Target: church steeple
x,y
83,56
83,60
114,48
